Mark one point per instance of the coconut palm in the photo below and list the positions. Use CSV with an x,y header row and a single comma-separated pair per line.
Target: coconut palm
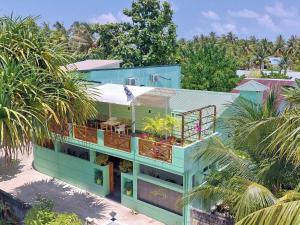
x,y
34,89
255,177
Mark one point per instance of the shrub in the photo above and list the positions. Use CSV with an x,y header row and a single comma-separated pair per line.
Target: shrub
x,y
102,159
37,216
66,219
125,166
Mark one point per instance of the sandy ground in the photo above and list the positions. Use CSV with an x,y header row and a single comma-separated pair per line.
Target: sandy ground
x,y
21,180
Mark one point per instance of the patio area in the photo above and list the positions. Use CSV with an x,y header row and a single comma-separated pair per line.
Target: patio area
x,y
25,183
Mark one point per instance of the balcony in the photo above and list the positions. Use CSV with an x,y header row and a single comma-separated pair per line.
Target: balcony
x,y
62,130
118,141
88,134
155,150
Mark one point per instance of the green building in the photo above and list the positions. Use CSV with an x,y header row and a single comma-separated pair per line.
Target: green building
x,y
112,156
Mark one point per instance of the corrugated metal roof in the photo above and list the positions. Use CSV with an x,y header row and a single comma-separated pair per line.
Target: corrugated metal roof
x,y
252,86
273,84
185,100
92,64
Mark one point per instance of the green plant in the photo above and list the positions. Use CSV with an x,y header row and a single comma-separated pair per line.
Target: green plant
x,y
66,219
102,159
125,166
37,216
159,126
128,188
99,177
34,90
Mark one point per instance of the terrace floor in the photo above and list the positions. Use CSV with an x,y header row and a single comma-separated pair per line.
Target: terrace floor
x,y
25,183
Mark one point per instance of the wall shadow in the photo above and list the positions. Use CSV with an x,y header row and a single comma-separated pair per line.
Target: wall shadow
x,y
65,198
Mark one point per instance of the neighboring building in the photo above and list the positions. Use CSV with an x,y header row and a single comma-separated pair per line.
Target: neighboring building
x,y
154,76
262,87
93,64
163,169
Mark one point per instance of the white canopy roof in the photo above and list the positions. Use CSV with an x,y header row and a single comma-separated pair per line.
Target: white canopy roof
x,y
116,93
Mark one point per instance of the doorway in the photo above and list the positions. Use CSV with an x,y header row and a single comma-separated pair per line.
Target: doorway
x,y
115,195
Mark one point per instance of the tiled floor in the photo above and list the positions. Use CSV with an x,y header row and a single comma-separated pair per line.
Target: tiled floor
x,y
25,183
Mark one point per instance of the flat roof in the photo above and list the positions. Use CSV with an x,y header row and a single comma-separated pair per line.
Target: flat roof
x,y
185,100
91,64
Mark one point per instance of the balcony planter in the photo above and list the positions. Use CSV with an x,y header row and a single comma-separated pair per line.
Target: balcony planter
x,y
101,159
128,188
125,166
99,181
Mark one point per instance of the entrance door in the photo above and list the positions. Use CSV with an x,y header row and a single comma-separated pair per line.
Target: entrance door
x,y
114,179
111,178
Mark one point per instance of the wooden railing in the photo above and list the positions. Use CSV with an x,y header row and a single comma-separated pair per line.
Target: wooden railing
x,y
57,129
85,133
118,141
155,150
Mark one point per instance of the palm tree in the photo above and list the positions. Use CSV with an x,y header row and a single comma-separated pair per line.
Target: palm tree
x,y
34,90
261,52
81,39
258,176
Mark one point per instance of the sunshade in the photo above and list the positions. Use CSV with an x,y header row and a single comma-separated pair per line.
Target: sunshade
x,y
117,94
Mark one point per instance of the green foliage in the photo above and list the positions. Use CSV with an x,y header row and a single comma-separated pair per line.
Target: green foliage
x,y
37,216
66,219
102,159
260,186
42,214
125,166
208,67
274,75
159,126
33,88
152,32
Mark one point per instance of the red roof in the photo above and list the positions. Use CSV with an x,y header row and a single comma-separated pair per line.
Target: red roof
x,y
273,84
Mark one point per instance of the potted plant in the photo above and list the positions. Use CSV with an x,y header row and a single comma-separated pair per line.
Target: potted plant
x,y
125,166
99,181
102,159
99,177
128,188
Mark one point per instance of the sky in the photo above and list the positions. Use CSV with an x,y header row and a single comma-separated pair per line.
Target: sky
x,y
262,18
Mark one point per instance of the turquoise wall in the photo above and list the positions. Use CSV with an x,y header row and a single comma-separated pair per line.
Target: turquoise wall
x,y
119,76
73,170
253,96
81,173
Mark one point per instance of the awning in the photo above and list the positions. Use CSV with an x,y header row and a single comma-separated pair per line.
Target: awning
x,y
117,94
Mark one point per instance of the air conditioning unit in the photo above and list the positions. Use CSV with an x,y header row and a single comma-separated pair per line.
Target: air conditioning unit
x,y
154,78
131,81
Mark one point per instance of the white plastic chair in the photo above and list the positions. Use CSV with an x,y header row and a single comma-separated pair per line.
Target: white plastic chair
x,y
120,129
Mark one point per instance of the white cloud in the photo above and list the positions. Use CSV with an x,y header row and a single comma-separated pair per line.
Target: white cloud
x,y
110,18
123,18
224,28
278,10
104,18
267,22
210,15
244,13
264,20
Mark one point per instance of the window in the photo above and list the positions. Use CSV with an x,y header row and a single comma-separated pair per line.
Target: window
x,y
159,196
161,174
75,151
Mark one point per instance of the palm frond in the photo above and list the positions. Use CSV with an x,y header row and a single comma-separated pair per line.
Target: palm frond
x,y
279,214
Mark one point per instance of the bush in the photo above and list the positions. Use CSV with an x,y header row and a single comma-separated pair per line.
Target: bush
x,y
66,219
42,214
37,216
